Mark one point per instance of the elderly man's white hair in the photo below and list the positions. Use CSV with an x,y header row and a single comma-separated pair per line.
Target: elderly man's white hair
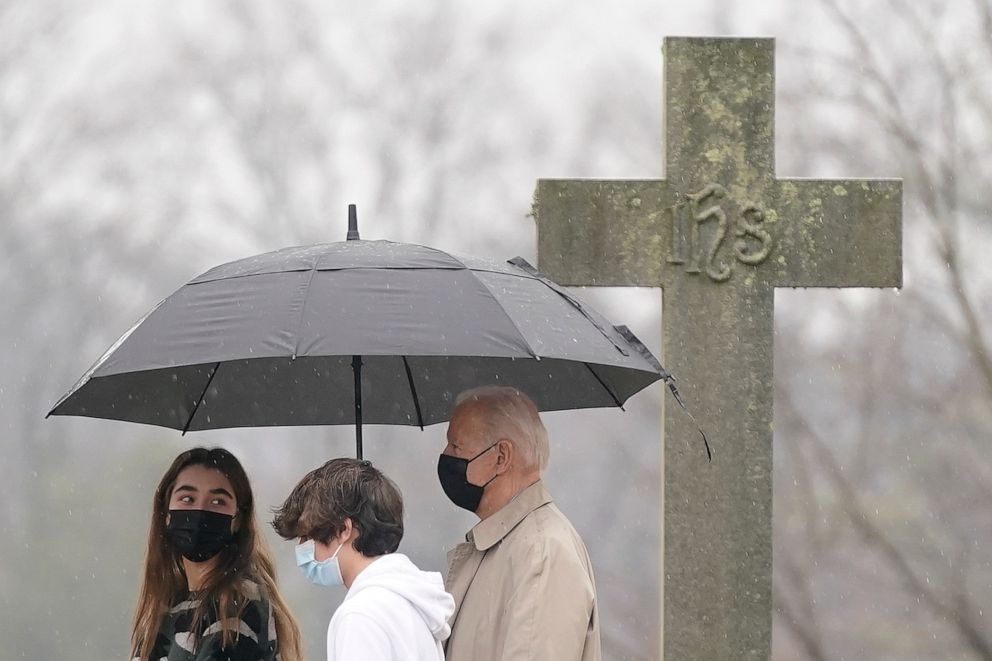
x,y
509,413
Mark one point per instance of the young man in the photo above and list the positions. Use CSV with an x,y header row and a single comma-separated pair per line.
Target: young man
x,y
348,517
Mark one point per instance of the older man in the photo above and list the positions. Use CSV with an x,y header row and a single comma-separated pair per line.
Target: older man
x,y
523,584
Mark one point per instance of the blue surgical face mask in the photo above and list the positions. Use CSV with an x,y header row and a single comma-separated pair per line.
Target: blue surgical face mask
x,y
326,573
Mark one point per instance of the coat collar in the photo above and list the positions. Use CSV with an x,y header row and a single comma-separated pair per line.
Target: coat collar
x,y
488,532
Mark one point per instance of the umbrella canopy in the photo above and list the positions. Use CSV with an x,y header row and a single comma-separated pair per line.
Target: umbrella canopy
x,y
341,333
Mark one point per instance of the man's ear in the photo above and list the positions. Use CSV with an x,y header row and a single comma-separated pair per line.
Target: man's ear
x,y
348,529
505,453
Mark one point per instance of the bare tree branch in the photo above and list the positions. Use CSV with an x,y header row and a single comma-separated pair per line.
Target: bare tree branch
x,y
974,332
956,611
800,628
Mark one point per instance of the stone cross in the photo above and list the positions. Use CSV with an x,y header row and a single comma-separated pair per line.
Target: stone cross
x,y
719,235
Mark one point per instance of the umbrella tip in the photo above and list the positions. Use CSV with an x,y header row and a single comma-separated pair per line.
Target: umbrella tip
x,y
353,223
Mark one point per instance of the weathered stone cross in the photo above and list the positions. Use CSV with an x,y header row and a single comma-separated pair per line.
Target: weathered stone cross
x,y
719,235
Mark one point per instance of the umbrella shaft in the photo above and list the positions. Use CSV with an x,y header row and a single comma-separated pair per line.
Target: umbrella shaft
x,y
356,366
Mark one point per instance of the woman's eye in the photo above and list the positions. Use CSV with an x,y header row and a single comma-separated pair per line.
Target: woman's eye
x,y
186,499
219,501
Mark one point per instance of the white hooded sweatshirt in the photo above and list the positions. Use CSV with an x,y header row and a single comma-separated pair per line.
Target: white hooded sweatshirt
x,y
392,612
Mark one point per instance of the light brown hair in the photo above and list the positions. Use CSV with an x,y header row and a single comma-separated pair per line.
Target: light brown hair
x,y
344,489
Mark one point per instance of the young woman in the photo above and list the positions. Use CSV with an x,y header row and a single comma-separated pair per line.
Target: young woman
x,y
209,590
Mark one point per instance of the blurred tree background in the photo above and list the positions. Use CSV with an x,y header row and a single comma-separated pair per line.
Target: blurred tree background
x,y
142,143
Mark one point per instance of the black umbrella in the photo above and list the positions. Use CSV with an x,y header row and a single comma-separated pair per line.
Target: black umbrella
x,y
358,331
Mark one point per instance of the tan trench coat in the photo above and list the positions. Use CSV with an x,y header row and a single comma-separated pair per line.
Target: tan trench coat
x,y
523,587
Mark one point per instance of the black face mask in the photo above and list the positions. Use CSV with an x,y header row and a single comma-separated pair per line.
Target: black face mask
x,y
453,475
199,534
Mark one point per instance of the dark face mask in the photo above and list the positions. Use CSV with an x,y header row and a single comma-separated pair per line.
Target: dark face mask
x,y
199,534
453,475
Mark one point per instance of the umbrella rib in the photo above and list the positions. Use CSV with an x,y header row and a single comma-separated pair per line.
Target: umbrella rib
x,y
413,389
509,317
605,387
199,400
525,266
303,309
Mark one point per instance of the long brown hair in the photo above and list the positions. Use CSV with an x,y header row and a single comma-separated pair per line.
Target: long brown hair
x,y
246,558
